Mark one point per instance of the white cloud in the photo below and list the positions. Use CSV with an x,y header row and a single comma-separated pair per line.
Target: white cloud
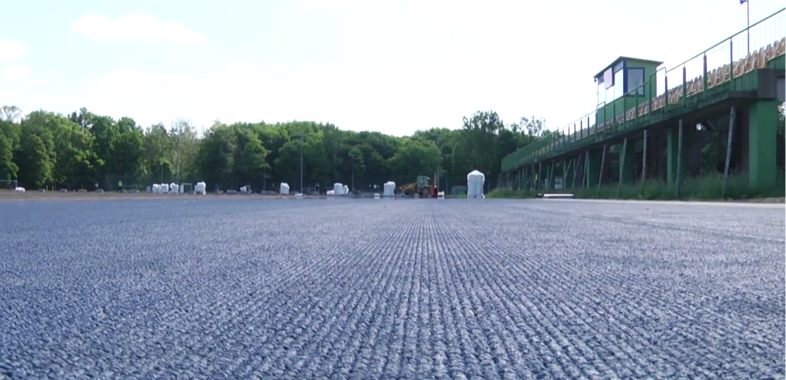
x,y
16,72
134,26
11,50
329,3
152,97
34,82
240,65
352,99
20,75
348,98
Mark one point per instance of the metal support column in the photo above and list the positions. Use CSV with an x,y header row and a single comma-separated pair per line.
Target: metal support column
x,y
732,120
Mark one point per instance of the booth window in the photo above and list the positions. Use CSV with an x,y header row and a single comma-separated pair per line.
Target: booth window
x,y
601,92
635,79
618,87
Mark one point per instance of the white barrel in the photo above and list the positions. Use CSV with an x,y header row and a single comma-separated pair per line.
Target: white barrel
x,y
475,182
283,189
338,188
389,188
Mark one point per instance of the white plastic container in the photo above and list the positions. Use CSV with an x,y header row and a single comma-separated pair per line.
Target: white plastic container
x,y
345,190
19,189
331,192
174,188
389,189
155,189
283,189
200,188
338,189
182,188
164,188
475,182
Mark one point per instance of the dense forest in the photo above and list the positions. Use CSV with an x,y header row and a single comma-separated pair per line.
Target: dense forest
x,y
79,150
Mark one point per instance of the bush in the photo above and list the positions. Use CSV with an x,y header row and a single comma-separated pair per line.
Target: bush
x,y
510,193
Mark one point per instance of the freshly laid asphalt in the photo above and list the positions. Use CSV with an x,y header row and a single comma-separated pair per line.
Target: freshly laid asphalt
x,y
236,288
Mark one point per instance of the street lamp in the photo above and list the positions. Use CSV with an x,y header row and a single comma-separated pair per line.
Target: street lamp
x,y
302,142
748,29
352,155
447,186
439,162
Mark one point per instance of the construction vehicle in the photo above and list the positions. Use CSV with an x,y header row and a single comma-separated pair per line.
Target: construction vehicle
x,y
423,187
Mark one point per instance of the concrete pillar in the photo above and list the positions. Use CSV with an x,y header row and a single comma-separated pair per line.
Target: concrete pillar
x,y
762,134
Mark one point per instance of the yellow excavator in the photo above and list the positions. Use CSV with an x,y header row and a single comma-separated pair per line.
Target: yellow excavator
x,y
423,187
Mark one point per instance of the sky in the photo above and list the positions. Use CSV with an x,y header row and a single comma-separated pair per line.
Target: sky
x,y
394,66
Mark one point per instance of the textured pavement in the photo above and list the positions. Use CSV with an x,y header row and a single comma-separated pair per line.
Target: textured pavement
x,y
215,288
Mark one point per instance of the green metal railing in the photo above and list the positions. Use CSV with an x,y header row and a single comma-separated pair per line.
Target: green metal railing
x,y
713,71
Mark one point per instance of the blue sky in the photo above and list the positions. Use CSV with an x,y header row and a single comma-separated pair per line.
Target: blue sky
x,y
392,66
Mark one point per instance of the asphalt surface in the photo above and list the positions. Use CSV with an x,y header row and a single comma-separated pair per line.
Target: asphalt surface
x,y
411,289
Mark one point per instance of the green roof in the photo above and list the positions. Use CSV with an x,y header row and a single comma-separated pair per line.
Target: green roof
x,y
623,58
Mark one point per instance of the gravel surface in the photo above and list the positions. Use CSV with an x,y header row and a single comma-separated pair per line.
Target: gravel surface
x,y
220,288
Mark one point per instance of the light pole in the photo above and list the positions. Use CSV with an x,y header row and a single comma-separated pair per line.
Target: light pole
x,y
302,142
748,29
447,186
352,155
439,163
438,180
177,167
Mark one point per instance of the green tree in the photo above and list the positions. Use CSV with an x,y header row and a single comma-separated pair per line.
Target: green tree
x,y
414,158
35,169
216,156
11,114
252,161
75,161
8,169
81,148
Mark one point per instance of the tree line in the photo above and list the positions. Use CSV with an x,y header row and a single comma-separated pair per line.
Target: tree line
x,y
79,150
